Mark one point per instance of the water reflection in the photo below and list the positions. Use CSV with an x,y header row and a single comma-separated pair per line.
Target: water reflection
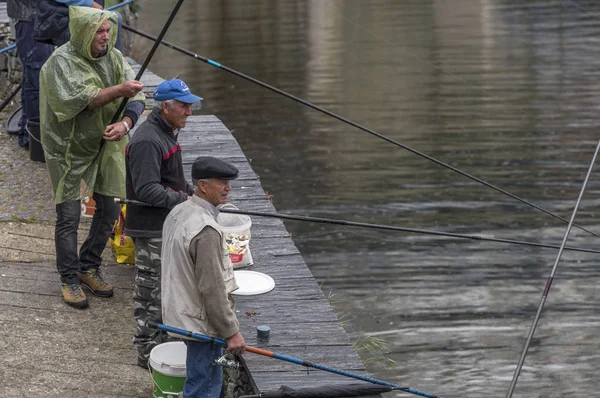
x,y
504,90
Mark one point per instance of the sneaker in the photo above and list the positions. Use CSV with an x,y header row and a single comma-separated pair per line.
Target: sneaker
x,y
74,295
94,281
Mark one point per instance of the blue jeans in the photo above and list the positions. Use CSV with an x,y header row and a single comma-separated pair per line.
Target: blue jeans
x,y
68,214
203,378
32,55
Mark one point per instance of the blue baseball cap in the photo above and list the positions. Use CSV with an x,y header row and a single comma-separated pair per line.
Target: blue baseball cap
x,y
175,89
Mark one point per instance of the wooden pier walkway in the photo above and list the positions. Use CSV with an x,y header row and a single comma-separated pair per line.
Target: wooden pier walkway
x,y
49,349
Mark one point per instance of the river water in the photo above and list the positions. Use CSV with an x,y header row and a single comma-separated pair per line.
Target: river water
x,y
507,91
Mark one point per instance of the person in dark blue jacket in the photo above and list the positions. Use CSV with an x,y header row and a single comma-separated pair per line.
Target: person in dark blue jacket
x,y
32,55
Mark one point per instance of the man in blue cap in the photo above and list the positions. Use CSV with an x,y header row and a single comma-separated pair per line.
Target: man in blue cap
x,y
155,176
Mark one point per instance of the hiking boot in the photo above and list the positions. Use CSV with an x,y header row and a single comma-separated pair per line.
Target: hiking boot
x,y
74,295
94,281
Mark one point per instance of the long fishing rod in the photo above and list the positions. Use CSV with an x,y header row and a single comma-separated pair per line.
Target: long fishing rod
x,y
270,354
550,279
143,67
374,226
350,122
148,57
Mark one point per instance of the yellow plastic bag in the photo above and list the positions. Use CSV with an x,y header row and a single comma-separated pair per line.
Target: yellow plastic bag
x,y
122,245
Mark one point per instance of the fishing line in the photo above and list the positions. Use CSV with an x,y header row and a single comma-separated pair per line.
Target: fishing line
x,y
550,279
350,122
298,361
582,8
374,226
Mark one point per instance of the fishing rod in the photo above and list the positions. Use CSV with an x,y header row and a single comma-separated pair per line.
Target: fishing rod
x,y
124,3
7,49
10,97
374,226
143,67
148,58
350,122
550,279
270,354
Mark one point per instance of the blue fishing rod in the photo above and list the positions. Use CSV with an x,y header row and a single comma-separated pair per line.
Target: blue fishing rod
x,y
375,226
354,124
7,49
308,364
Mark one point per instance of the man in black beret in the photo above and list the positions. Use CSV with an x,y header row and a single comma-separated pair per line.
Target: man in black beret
x,y
197,276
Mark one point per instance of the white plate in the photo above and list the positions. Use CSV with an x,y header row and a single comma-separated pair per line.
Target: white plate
x,y
252,282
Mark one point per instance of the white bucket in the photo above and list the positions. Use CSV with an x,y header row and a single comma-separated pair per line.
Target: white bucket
x,y
167,361
236,229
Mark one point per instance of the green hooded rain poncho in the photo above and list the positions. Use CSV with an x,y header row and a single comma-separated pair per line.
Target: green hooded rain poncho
x,y
71,134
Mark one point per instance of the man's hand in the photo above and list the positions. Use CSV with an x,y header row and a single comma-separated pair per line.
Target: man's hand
x,y
130,88
96,5
236,344
115,132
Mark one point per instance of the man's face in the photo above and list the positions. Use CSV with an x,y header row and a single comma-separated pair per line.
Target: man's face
x,y
177,114
101,39
216,191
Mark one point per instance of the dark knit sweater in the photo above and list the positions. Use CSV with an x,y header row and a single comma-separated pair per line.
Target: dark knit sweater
x,y
154,176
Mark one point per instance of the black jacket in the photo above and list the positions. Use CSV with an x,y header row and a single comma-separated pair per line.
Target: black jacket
x,y
21,10
154,176
52,21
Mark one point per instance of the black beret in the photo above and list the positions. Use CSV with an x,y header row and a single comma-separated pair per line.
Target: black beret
x,y
205,167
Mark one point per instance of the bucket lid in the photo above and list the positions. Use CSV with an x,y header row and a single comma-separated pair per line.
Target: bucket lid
x,y
251,283
169,358
12,124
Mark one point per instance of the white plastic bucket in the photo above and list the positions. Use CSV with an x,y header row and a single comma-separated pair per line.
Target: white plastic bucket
x,y
167,361
236,229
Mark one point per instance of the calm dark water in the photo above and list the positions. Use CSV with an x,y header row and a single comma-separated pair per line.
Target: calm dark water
x,y
505,90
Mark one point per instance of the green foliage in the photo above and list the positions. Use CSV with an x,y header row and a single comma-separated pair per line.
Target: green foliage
x,y
29,220
369,348
373,348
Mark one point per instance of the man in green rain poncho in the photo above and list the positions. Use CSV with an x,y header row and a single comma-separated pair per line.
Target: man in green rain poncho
x,y
81,87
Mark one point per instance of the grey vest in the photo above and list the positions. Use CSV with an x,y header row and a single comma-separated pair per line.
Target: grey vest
x,y
181,304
